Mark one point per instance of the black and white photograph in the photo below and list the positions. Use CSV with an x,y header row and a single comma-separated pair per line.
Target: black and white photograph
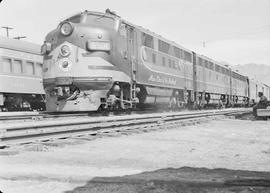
x,y
145,96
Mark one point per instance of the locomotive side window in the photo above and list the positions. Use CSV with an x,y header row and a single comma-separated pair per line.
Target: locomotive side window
x,y
177,52
29,68
187,56
223,70
163,46
38,69
211,65
147,40
217,68
206,64
7,65
123,30
17,66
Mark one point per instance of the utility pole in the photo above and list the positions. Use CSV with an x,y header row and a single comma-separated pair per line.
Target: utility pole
x,y
19,37
204,44
7,29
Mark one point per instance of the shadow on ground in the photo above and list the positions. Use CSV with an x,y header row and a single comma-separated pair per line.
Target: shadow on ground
x,y
182,180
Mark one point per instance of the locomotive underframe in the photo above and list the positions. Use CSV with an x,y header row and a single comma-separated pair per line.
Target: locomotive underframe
x,y
206,99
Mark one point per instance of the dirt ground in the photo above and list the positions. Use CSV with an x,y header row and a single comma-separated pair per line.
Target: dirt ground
x,y
66,164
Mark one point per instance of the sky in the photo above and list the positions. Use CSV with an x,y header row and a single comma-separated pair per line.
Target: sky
x,y
233,31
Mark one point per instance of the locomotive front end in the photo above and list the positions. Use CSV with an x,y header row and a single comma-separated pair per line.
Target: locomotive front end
x,y
78,66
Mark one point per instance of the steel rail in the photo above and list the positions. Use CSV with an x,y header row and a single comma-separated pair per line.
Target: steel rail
x,y
36,116
54,129
16,116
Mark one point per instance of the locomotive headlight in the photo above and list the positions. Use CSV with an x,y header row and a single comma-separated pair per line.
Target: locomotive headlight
x,y
66,29
65,64
65,50
98,45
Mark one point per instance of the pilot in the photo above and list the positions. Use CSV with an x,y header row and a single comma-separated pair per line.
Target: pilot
x,y
262,104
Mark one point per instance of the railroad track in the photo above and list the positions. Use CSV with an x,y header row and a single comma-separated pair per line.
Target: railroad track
x,y
36,131
29,116
26,116
5,116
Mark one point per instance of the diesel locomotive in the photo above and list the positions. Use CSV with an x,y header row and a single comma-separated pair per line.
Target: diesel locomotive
x,y
96,60
21,85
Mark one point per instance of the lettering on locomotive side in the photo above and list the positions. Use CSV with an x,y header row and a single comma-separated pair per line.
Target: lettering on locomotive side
x,y
162,80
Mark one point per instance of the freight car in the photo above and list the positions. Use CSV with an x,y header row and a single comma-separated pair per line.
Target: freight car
x,y
21,85
98,60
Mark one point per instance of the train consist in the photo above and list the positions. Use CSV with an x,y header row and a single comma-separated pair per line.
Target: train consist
x,y
21,85
96,60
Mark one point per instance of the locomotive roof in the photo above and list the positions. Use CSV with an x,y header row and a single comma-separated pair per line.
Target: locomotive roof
x,y
115,16
93,13
179,46
19,45
158,36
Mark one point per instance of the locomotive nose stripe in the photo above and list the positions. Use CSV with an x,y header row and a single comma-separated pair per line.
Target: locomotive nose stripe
x,y
91,67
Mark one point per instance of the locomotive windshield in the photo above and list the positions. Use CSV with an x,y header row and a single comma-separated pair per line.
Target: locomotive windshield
x,y
97,20
100,20
104,20
75,19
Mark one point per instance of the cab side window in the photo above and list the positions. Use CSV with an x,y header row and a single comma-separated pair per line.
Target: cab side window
x,y
147,40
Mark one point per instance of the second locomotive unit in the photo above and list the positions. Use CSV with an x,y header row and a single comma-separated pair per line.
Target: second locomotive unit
x,y
96,60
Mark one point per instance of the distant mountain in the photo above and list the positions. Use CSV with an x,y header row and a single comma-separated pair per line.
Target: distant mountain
x,y
260,72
